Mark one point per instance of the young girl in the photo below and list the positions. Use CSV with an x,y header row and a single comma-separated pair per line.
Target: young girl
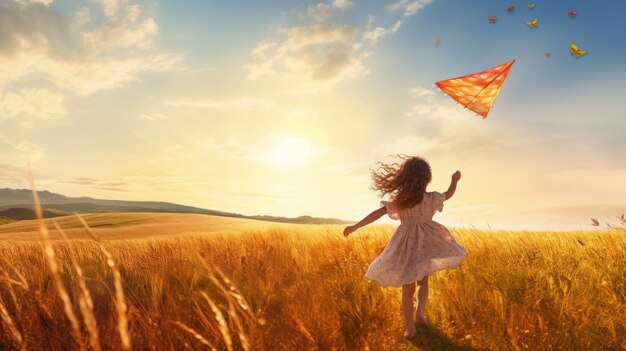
x,y
419,246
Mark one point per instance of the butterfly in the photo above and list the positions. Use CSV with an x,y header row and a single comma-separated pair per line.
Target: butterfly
x,y
533,23
548,54
531,6
576,50
492,19
510,9
571,13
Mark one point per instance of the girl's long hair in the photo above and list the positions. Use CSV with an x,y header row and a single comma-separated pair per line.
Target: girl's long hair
x,y
405,182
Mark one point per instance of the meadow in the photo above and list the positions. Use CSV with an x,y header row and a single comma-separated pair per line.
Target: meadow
x,y
301,287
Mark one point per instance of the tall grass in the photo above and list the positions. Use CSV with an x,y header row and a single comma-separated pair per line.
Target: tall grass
x,y
305,290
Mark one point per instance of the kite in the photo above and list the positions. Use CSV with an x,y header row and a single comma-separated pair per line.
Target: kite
x,y
437,41
531,6
510,9
492,19
548,54
571,13
575,50
533,23
477,91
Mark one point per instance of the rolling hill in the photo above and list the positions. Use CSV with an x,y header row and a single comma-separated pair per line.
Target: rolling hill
x,y
136,225
20,202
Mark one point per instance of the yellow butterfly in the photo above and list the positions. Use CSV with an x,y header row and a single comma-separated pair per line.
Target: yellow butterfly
x,y
531,6
533,23
576,50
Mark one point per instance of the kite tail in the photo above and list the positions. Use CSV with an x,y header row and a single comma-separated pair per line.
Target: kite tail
x,y
480,132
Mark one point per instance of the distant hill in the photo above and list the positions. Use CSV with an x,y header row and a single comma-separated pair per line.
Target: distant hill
x,y
17,204
5,220
25,213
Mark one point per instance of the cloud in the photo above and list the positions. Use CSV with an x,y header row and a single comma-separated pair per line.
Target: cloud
x,y
115,185
38,43
342,4
319,12
323,53
422,93
154,116
30,105
110,7
121,36
25,149
31,25
409,8
12,175
378,33
444,128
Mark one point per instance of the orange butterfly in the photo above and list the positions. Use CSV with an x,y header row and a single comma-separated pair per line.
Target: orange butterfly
x,y
533,23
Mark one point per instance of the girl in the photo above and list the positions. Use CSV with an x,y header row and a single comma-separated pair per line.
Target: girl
x,y
419,246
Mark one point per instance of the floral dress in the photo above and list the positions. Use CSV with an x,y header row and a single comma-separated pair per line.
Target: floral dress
x,y
419,246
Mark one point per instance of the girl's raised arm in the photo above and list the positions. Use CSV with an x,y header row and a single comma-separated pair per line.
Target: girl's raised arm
x,y
452,188
365,221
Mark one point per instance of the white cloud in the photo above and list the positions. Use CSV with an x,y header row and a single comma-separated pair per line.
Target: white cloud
x,y
43,2
380,32
110,7
319,12
25,149
322,53
154,116
121,36
101,184
409,8
419,92
37,44
342,4
30,105
83,16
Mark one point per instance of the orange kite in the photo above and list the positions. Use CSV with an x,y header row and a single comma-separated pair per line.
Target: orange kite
x,y
477,91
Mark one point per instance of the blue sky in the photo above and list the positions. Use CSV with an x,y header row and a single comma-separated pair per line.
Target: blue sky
x,y
281,107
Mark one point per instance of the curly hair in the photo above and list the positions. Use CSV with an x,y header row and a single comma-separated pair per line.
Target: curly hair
x,y
405,182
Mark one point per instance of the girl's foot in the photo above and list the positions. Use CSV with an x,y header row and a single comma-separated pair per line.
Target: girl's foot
x,y
420,319
409,334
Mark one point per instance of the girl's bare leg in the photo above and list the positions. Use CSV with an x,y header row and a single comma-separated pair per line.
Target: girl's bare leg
x,y
407,309
422,300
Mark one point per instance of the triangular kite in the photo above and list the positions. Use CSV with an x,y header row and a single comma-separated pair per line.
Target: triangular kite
x,y
477,91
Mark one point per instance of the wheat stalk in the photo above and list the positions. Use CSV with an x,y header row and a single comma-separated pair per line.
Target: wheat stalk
x,y
85,301
120,301
6,318
195,334
221,322
54,268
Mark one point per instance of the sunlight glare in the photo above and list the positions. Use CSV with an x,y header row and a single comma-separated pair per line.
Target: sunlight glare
x,y
292,152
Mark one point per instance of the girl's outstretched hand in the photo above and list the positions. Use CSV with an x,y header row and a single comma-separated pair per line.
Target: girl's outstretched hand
x,y
456,176
349,229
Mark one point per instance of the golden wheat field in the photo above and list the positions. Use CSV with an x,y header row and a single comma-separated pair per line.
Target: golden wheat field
x,y
302,287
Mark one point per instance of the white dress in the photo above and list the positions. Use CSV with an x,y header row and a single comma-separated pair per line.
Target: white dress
x,y
418,247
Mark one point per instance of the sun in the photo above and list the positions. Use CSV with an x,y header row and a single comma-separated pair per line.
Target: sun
x,y
293,151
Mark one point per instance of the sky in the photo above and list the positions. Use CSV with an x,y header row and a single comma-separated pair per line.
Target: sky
x,y
283,107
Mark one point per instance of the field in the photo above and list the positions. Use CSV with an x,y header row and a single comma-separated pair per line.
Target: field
x,y
192,283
